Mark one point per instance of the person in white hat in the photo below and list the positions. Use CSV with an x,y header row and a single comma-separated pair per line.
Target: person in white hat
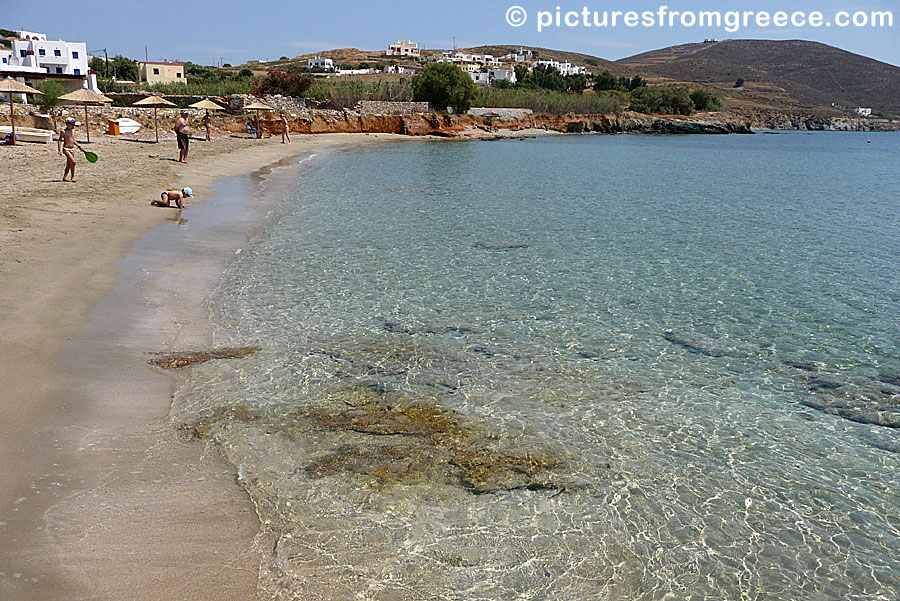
x,y
183,133
177,196
67,144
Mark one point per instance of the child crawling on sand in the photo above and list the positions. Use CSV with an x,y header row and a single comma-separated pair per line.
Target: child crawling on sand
x,y
178,196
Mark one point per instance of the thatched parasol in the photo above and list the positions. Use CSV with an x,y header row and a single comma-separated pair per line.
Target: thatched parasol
x,y
258,107
11,86
155,102
86,97
207,104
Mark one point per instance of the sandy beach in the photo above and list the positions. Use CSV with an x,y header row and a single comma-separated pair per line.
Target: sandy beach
x,y
102,497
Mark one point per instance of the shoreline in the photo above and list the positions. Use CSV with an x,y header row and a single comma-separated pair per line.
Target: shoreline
x,y
92,466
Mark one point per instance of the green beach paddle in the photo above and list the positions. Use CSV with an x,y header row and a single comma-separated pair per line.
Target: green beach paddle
x,y
90,156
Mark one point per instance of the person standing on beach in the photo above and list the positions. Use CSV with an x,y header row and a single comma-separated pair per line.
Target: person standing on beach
x,y
285,128
207,123
66,144
183,133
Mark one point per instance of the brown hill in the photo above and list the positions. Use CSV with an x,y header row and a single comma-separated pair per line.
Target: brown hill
x,y
798,72
354,56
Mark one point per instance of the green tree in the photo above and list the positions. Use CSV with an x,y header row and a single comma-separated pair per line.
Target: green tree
x,y
669,100
576,83
52,90
605,81
445,85
245,73
122,67
98,65
549,78
704,100
521,73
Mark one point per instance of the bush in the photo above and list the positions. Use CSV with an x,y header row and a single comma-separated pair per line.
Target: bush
x,y
281,82
704,100
195,87
443,85
346,93
52,90
669,100
124,68
608,81
549,102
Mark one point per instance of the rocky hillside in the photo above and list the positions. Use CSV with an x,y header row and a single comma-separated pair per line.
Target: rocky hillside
x,y
807,74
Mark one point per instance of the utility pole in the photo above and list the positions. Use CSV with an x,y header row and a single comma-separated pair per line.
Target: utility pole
x,y
106,56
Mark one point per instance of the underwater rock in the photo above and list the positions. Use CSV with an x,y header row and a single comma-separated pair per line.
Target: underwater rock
x,y
887,379
856,403
387,440
802,366
823,385
695,348
498,246
177,360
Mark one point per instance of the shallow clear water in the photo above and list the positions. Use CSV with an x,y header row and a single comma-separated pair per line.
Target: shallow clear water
x,y
577,367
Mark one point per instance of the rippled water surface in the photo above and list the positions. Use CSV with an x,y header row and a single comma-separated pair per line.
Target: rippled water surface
x,y
572,368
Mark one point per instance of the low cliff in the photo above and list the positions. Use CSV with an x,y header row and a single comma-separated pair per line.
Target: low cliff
x,y
468,126
775,119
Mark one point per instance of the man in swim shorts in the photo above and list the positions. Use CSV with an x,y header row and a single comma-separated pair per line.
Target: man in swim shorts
x,y
183,133
66,144
176,196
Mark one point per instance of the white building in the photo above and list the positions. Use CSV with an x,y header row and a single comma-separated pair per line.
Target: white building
x,y
864,112
502,75
564,68
486,78
326,64
400,69
33,59
355,71
33,53
404,48
520,56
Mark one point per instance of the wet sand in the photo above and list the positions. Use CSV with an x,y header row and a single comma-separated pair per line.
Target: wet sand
x,y
102,497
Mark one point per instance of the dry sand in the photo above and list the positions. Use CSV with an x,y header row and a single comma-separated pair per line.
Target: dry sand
x,y
101,498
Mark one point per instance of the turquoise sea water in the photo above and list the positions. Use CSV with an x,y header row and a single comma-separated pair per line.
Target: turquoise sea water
x,y
623,367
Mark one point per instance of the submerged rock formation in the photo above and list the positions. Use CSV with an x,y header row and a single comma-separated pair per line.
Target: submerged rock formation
x,y
176,360
385,440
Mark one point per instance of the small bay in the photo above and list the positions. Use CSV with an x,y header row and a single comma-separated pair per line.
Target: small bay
x,y
575,367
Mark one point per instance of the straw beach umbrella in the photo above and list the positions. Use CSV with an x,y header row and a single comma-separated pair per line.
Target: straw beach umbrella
x,y
11,86
86,97
155,102
258,107
207,104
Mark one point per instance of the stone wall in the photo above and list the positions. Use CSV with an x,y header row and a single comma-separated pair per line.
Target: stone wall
x,y
380,107
501,114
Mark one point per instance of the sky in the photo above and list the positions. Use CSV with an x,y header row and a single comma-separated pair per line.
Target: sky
x,y
209,32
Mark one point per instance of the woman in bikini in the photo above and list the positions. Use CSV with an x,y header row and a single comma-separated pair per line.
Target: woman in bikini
x,y
207,123
67,144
